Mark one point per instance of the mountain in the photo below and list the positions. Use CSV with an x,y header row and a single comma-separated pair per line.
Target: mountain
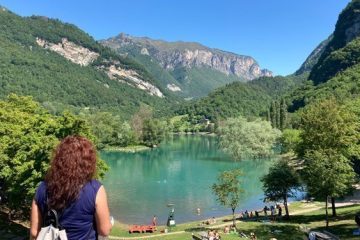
x,y
337,71
187,68
332,70
60,65
313,58
250,99
338,55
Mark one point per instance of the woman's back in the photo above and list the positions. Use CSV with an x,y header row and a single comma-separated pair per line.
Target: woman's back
x,y
78,219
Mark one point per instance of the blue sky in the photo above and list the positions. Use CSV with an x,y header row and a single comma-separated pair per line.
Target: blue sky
x,y
279,34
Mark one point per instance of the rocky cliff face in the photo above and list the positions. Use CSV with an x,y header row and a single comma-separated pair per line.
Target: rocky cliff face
x,y
347,30
172,55
83,56
313,58
71,51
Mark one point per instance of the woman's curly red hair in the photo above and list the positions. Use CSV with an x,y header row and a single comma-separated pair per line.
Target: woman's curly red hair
x,y
73,165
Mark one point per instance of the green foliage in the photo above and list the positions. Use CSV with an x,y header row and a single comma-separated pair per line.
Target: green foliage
x,y
28,69
327,125
343,86
232,100
280,183
337,56
289,140
183,123
28,135
228,189
199,82
242,138
337,61
278,85
329,135
153,132
110,130
242,99
327,173
278,114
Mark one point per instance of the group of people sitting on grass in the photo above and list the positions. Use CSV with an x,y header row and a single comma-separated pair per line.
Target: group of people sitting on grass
x,y
210,221
213,235
272,212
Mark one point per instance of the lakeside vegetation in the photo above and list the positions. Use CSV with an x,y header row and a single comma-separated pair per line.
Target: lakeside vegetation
x,y
314,116
309,217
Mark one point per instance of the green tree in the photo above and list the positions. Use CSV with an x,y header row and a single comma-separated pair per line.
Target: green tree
x,y
289,140
277,113
153,132
273,114
137,121
327,128
28,135
327,173
109,129
228,189
280,183
242,138
283,114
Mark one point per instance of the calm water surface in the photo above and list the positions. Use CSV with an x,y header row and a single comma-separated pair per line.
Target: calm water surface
x,y
181,171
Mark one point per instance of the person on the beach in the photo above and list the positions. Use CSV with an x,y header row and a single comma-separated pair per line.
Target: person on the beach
x,y
265,210
154,221
217,235
272,209
279,211
211,234
226,229
253,236
246,214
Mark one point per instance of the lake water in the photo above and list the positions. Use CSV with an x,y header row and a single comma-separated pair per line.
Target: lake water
x,y
181,172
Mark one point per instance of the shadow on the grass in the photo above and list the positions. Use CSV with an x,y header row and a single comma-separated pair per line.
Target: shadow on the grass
x,y
267,231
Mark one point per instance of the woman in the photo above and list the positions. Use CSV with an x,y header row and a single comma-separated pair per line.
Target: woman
x,y
70,189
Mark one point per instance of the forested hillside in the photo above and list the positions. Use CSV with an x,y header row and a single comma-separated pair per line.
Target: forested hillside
x,y
338,54
29,68
336,74
331,70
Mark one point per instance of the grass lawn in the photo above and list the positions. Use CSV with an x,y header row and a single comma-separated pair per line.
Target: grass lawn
x,y
308,217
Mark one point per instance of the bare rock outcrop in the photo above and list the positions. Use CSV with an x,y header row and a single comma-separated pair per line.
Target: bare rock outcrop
x,y
71,51
135,79
171,55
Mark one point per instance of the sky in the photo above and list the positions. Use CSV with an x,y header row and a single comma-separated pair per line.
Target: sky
x,y
279,34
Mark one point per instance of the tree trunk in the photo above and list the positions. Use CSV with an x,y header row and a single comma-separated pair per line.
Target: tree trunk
x,y
326,212
333,206
233,211
287,215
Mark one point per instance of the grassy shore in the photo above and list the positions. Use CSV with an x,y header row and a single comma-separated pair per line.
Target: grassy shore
x,y
130,149
304,217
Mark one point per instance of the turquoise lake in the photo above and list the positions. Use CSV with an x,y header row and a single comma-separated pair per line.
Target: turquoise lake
x,y
180,171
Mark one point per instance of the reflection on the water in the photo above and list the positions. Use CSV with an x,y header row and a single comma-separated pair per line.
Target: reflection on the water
x,y
180,171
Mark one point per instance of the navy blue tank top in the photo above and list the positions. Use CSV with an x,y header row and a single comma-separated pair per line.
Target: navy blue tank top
x,y
78,219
